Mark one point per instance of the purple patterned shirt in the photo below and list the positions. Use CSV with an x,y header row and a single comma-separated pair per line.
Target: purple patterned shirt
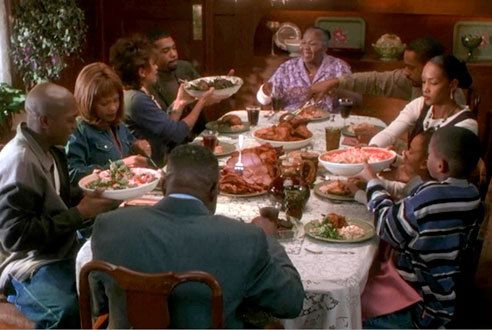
x,y
291,80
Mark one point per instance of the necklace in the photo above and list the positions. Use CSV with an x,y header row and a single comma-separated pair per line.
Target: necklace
x,y
146,92
440,121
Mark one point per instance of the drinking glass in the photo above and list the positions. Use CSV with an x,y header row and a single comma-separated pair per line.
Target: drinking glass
x,y
253,115
345,106
210,140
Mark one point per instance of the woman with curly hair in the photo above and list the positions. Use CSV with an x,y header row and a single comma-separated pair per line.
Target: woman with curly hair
x,y
101,136
134,59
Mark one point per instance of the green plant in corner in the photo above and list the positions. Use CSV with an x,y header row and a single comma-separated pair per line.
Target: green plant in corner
x,y
44,33
11,102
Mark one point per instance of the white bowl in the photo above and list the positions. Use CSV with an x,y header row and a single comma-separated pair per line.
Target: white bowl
x,y
287,145
224,92
122,194
350,169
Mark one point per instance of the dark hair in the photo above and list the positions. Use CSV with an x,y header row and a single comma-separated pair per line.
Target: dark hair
x,y
94,81
426,48
128,55
460,147
192,167
426,137
157,34
325,34
454,69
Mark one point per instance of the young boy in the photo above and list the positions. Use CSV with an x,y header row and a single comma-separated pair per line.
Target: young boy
x,y
411,172
431,228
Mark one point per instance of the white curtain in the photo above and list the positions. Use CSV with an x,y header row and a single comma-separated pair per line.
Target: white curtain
x,y
5,75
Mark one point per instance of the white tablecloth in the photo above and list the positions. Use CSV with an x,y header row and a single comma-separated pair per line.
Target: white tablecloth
x,y
335,276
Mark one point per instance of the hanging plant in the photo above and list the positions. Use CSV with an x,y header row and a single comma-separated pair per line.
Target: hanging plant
x,y
44,33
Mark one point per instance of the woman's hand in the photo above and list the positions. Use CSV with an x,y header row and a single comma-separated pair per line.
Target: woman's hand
x,y
367,173
136,161
210,98
142,147
182,98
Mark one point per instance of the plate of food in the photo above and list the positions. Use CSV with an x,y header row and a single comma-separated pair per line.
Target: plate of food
x,y
291,133
228,124
224,85
121,182
350,161
243,195
363,132
313,113
335,190
222,148
338,229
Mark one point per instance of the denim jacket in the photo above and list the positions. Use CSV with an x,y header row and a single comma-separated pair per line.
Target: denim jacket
x,y
90,147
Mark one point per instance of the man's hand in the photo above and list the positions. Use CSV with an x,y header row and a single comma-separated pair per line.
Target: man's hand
x,y
322,88
231,72
93,204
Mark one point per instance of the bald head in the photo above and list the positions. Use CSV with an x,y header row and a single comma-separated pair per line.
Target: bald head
x,y
51,113
193,170
48,99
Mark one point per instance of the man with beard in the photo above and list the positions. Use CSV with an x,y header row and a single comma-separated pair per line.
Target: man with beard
x,y
170,69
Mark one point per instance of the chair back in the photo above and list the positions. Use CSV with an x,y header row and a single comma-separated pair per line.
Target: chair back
x,y
147,289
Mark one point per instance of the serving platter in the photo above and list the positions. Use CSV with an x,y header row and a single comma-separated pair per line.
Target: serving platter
x,y
224,129
123,194
253,194
223,92
310,227
286,31
227,148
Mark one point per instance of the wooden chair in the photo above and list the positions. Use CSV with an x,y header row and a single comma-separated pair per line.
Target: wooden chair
x,y
146,294
473,100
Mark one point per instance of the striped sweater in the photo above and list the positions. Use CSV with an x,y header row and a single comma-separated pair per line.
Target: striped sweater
x,y
430,230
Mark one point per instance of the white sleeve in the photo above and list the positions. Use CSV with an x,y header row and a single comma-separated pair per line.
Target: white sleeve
x,y
470,124
262,97
405,120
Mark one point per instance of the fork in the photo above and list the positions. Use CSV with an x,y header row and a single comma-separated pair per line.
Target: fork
x,y
239,166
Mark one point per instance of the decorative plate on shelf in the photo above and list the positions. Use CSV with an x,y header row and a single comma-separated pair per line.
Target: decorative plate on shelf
x,y
286,31
484,51
347,33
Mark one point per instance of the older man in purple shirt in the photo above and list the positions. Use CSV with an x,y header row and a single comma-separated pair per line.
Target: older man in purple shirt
x,y
290,84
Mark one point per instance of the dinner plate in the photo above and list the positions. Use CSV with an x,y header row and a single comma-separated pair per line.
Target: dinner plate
x,y
325,116
344,198
223,92
286,30
227,148
123,194
368,228
348,131
225,129
253,194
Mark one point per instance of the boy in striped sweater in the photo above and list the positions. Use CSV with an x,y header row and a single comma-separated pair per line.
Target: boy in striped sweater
x,y
431,228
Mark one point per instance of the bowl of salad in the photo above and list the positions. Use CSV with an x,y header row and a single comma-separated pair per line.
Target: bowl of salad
x,y
224,86
120,182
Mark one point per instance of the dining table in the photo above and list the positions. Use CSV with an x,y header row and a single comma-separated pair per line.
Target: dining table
x,y
333,273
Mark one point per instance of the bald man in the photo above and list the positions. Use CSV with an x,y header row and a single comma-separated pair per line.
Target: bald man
x,y
37,223
181,233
